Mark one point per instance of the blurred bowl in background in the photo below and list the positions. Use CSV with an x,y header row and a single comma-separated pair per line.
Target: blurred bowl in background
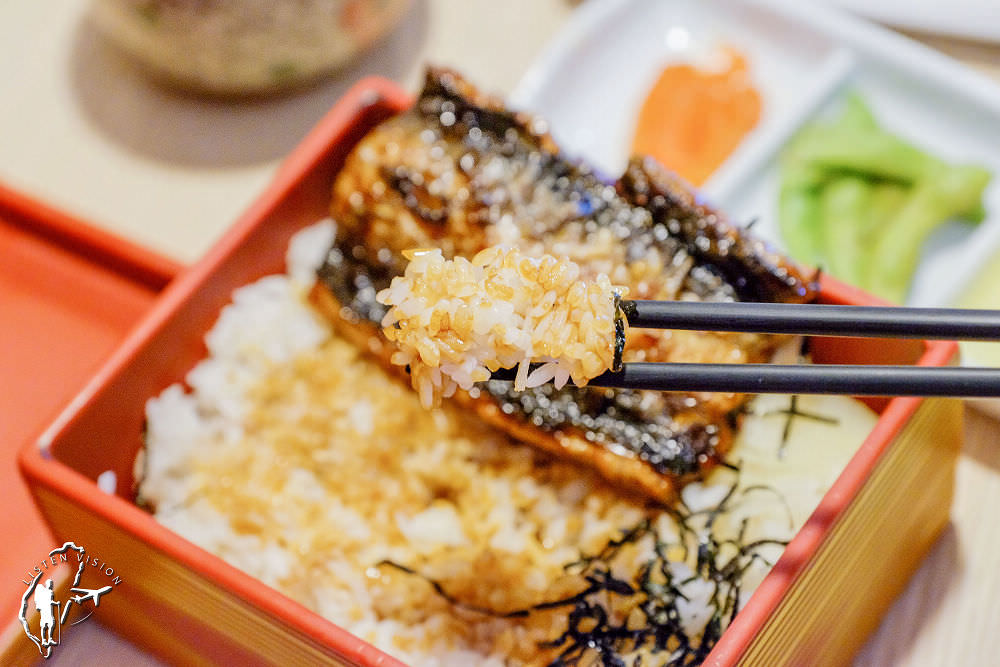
x,y
244,47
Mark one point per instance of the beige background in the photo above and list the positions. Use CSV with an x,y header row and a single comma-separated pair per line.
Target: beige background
x,y
82,128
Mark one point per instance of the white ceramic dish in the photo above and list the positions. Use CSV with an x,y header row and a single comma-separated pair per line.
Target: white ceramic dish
x,y
592,78
967,19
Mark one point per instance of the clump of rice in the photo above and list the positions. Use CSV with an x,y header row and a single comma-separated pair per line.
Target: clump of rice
x,y
299,461
456,321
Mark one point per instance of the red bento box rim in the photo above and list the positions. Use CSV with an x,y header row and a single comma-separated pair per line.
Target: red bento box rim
x,y
59,478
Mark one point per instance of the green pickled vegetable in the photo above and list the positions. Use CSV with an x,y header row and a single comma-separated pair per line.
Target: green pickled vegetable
x,y
856,113
845,204
887,198
865,151
798,213
943,195
861,201
976,214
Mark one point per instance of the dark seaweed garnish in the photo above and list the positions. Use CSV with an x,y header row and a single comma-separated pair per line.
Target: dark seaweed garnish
x,y
656,592
793,411
790,413
450,599
620,326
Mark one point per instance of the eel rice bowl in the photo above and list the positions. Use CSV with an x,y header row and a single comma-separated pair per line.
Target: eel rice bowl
x,y
296,453
441,540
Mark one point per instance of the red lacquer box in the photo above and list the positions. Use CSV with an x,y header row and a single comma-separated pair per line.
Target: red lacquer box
x,y
818,605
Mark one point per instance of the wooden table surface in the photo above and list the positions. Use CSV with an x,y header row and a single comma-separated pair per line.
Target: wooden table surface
x,y
90,134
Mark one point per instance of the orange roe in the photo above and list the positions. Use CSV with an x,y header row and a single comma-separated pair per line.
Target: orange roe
x,y
693,119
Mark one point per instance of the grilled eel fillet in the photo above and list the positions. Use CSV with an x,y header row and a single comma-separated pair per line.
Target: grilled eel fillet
x,y
460,172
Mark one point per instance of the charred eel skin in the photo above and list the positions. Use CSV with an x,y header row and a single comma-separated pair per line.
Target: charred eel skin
x,y
461,172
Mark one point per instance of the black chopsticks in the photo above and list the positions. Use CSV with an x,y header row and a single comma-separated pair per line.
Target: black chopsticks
x,y
799,379
808,319
816,319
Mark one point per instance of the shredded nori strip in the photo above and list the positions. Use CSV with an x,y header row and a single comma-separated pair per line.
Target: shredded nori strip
x,y
790,413
450,599
597,636
620,324
793,411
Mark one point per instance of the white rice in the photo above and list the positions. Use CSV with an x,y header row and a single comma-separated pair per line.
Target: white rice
x,y
455,321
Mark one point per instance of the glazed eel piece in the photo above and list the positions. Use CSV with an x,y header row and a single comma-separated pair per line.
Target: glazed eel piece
x,y
461,172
